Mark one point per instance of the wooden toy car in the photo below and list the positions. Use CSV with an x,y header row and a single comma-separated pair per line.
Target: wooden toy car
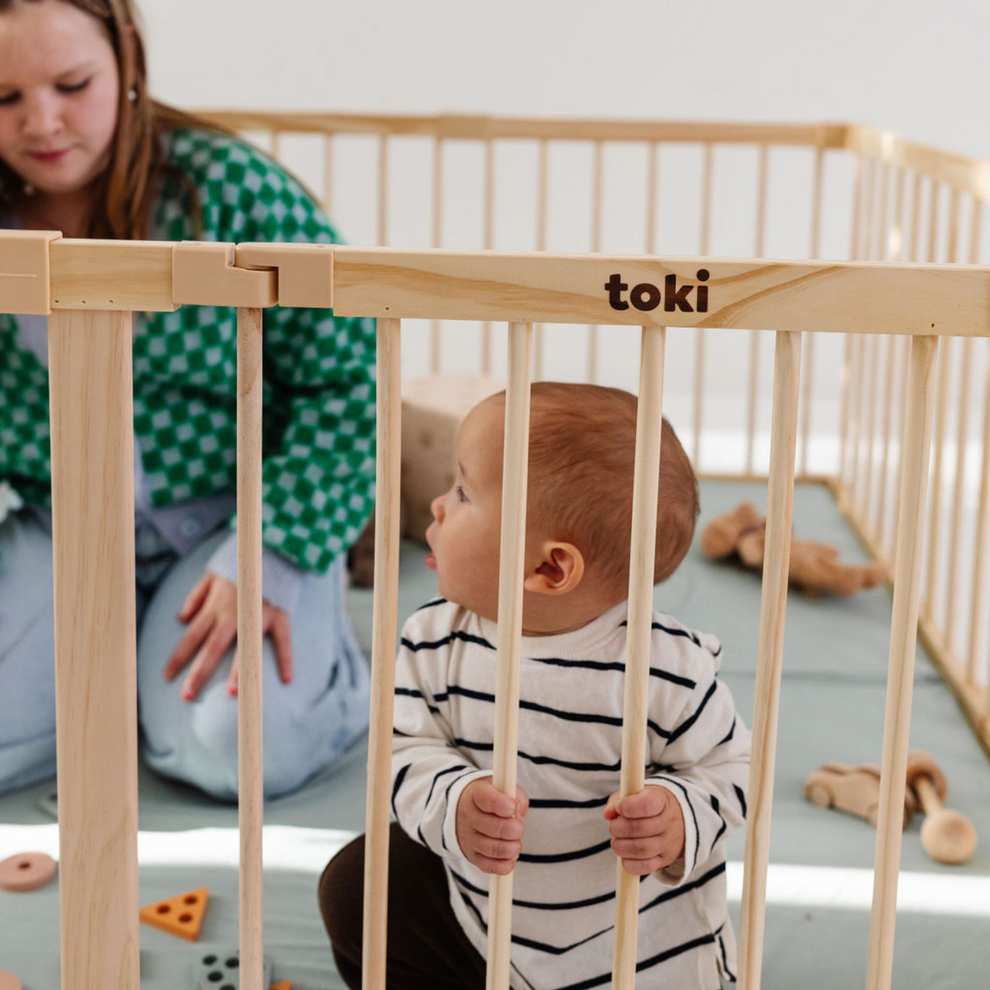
x,y
855,789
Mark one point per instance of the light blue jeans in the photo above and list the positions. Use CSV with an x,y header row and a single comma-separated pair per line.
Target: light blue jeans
x,y
307,723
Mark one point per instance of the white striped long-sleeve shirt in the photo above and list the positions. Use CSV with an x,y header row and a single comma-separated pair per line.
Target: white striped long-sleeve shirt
x,y
570,744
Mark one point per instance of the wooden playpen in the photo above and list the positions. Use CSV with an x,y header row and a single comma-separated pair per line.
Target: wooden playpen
x,y
899,314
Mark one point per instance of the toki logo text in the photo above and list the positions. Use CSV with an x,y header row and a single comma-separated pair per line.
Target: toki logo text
x,y
646,296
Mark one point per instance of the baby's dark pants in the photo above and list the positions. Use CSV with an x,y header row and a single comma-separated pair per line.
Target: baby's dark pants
x,y
427,948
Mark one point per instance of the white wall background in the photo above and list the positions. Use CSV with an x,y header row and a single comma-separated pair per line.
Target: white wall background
x,y
917,67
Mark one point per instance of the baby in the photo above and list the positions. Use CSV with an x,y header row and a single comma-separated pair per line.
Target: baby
x,y
566,824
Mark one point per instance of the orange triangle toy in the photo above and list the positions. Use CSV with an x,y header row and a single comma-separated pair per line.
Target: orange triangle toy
x,y
281,985
181,915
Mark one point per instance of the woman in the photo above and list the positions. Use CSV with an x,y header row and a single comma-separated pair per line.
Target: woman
x,y
84,150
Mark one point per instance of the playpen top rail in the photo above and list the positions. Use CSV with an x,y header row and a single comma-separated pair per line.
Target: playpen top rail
x,y
960,172
481,127
855,297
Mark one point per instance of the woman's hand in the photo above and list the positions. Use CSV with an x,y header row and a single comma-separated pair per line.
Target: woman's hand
x,y
211,611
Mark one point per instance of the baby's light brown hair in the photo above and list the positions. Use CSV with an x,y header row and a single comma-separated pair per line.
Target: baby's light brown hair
x,y
582,452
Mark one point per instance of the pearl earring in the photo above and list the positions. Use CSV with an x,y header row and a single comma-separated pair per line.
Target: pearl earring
x,y
132,94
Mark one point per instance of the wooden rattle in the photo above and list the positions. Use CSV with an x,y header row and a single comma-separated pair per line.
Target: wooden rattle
x,y
947,836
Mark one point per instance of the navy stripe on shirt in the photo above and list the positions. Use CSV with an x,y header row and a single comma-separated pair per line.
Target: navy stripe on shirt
x,y
731,733
402,692
542,760
645,964
590,718
686,633
565,857
457,634
563,803
609,895
437,643
432,604
436,777
542,905
694,817
688,722
399,777
664,675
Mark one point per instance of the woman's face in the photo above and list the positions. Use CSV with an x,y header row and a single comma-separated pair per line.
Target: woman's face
x,y
59,89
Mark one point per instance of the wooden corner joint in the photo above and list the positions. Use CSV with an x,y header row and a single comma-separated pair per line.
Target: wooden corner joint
x,y
206,273
305,271
25,271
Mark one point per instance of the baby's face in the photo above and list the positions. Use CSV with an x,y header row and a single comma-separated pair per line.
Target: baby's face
x,y
464,536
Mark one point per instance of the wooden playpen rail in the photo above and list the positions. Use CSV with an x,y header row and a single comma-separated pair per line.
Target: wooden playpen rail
x,y
906,202
91,288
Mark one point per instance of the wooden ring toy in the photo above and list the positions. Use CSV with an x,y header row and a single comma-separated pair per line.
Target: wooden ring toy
x,y
26,871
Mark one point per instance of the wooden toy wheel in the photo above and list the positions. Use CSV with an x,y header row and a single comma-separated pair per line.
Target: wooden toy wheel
x,y
26,871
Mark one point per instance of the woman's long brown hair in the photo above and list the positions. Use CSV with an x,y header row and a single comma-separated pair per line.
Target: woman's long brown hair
x,y
124,196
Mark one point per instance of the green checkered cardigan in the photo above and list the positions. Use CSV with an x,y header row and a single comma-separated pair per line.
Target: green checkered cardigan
x,y
319,375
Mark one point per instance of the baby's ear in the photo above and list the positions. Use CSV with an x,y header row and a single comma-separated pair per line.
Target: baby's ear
x,y
560,570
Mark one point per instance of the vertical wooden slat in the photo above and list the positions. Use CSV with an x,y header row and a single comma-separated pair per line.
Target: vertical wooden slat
x,y
250,780
978,593
383,640
773,605
699,337
933,215
92,444
436,239
912,247
328,175
976,607
858,352
509,635
857,208
952,240
955,523
542,209
900,682
276,145
382,189
489,241
814,251
597,181
962,430
869,210
882,242
871,374
861,366
915,217
902,406
759,248
895,250
935,510
845,412
646,474
876,250
890,356
652,171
